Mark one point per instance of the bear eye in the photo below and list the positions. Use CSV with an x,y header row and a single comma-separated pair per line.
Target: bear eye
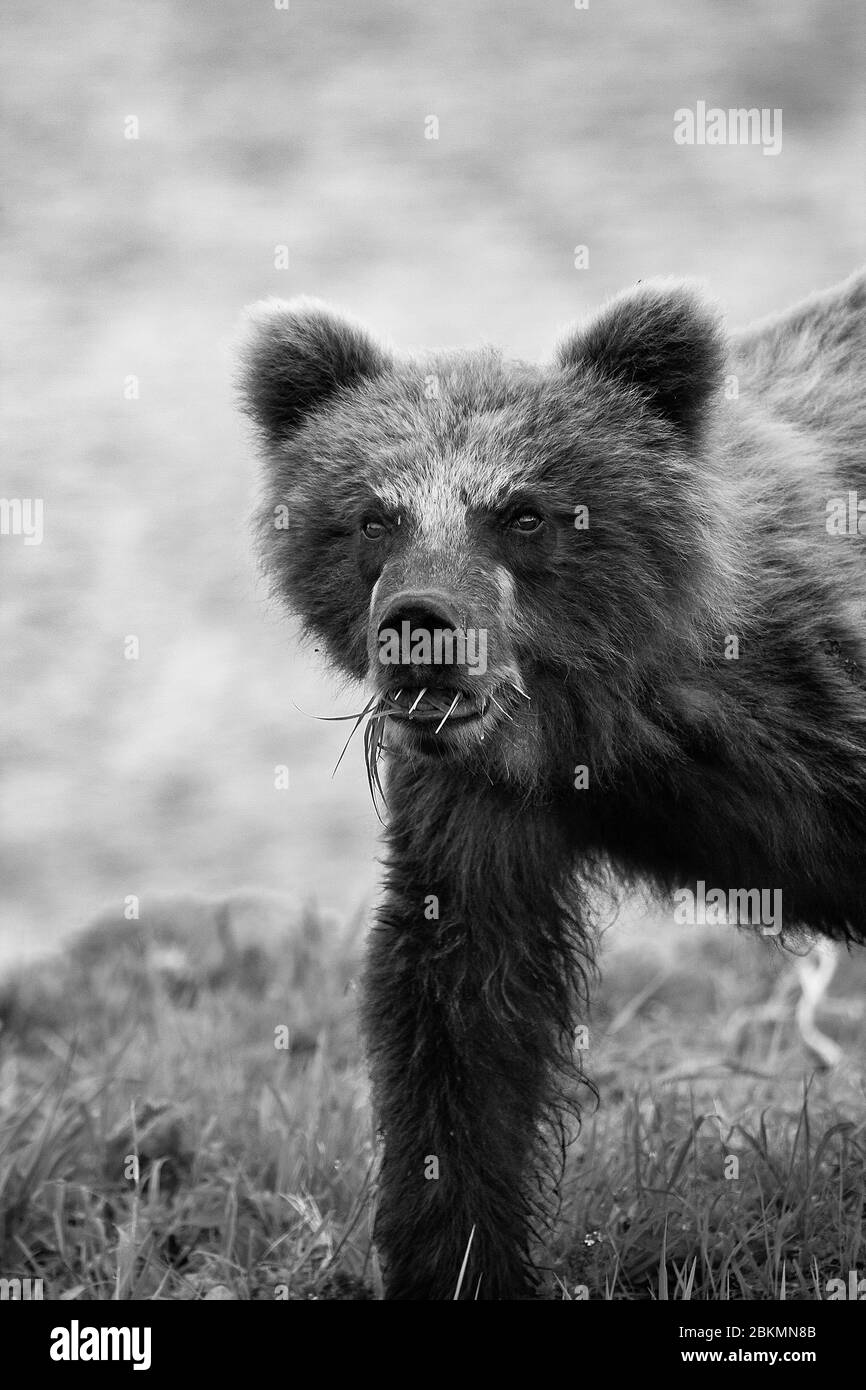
x,y
373,529
526,522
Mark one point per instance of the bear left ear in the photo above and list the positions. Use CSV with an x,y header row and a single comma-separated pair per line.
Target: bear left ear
x,y
298,354
662,338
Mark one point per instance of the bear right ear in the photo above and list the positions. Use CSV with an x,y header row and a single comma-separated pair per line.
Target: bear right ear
x,y
297,355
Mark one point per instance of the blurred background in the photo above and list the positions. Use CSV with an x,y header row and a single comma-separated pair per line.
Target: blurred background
x,y
284,151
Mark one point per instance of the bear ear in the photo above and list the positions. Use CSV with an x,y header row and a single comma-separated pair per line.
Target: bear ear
x,y
297,355
664,339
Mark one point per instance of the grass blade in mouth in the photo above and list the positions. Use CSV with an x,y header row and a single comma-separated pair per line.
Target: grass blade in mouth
x,y
374,736
450,710
358,718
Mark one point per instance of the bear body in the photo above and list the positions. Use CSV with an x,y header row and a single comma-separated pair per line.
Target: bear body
x,y
652,547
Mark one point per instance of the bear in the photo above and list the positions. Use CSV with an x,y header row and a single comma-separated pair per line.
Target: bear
x,y
610,610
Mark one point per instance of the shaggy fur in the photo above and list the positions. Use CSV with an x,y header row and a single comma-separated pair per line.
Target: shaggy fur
x,y
611,522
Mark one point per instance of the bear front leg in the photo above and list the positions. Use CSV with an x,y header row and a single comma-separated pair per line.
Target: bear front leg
x,y
468,1012
456,1101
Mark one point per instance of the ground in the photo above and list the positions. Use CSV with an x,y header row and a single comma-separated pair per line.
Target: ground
x,y
716,1163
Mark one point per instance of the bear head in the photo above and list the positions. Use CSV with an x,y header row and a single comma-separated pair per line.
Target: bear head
x,y
511,555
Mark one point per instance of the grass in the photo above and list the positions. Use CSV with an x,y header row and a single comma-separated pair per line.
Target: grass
x,y
256,1165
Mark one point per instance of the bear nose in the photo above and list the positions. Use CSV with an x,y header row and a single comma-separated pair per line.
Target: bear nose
x,y
424,612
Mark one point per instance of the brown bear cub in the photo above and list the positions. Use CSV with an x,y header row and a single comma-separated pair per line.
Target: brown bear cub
x,y
612,612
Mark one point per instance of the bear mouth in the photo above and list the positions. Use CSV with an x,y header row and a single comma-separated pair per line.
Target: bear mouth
x,y
433,708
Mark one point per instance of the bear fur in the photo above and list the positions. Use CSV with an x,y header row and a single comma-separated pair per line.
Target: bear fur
x,y
658,535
